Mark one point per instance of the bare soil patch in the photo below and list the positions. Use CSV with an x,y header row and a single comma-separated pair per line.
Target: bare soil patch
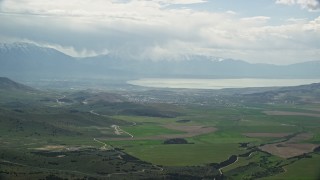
x,y
287,150
51,148
300,137
59,148
292,147
289,113
274,135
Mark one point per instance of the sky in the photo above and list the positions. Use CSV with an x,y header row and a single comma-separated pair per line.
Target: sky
x,y
257,31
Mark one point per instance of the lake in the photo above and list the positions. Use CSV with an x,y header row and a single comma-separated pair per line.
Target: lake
x,y
218,83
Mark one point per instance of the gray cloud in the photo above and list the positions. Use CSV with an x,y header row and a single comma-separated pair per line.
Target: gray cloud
x,y
311,5
146,30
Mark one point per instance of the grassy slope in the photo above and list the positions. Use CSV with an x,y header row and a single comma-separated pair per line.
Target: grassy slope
x,y
308,168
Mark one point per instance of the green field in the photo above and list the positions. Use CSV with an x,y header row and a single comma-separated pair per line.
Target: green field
x,y
55,134
149,130
183,155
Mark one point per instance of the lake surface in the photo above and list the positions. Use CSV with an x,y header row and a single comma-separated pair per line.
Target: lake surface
x,y
219,83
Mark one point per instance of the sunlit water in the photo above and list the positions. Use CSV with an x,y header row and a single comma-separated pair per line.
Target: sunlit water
x,y
219,83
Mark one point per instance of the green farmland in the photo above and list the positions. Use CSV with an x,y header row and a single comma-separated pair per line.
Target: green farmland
x,y
101,135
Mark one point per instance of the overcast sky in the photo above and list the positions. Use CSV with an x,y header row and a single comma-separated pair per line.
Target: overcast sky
x,y
257,31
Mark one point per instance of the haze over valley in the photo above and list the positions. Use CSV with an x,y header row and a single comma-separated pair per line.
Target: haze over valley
x,y
162,89
24,60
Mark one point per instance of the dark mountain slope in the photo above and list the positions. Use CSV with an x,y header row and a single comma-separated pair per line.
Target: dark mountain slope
x,y
8,84
23,59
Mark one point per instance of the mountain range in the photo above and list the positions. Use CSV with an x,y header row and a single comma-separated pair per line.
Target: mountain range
x,y
7,84
29,60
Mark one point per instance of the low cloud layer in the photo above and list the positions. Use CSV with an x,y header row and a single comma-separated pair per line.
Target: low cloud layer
x,y
157,30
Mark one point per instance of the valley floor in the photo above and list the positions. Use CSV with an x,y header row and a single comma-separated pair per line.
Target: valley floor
x,y
130,135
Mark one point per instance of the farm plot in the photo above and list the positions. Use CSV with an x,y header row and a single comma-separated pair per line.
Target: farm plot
x,y
291,148
289,113
272,135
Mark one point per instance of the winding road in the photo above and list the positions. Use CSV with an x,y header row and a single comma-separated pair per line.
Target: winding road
x,y
117,129
59,102
104,147
220,170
